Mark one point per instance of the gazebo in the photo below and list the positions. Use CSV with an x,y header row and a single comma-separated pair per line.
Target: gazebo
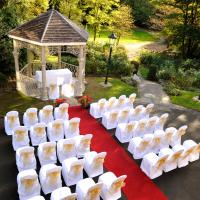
x,y
51,33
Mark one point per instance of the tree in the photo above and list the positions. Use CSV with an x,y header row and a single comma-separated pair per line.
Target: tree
x,y
99,13
122,21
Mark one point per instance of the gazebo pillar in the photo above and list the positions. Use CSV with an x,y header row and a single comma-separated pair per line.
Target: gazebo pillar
x,y
59,57
16,59
43,60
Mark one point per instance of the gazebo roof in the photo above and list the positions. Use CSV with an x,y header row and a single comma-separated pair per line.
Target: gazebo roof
x,y
50,28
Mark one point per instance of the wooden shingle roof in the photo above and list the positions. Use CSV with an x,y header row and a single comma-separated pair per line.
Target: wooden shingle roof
x,y
50,28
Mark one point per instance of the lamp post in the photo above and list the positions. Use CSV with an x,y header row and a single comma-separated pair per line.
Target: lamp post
x,y
112,39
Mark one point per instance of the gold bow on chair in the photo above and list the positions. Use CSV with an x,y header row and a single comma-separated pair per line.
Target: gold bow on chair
x,y
169,136
20,135
197,149
76,169
53,177
142,125
93,193
161,162
113,117
86,142
156,141
69,198
181,132
63,110
57,127
11,120
101,105
32,115
47,112
187,153
98,162
52,88
176,156
68,147
143,145
27,157
48,151
39,130
152,122
74,125
129,128
28,183
121,101
132,99
117,185
138,110
124,113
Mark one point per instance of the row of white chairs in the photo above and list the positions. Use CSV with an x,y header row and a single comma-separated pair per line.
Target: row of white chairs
x,y
97,109
139,146
32,116
126,131
108,185
169,159
49,151
56,130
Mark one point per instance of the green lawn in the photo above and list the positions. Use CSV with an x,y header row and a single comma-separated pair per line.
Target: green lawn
x,y
96,91
135,35
185,100
17,101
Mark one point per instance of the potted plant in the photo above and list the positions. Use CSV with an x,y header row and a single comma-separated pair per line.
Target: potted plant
x,y
57,102
85,101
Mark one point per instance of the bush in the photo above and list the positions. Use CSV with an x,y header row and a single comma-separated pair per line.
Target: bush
x,y
152,73
166,74
196,82
171,89
190,64
129,80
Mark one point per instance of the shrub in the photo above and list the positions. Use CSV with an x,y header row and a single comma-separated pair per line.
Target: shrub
x,y
190,64
196,82
171,89
129,80
166,74
152,73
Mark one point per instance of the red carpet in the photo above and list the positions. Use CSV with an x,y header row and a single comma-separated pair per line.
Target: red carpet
x,y
138,185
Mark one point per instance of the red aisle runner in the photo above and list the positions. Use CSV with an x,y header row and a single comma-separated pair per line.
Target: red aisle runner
x,y
138,185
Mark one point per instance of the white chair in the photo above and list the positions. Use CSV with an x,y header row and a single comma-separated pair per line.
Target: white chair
x,y
20,137
192,144
136,114
110,119
66,149
130,100
47,153
121,102
140,131
140,146
63,193
53,91
46,114
97,109
158,141
11,120
37,198
148,110
151,124
123,115
83,143
111,104
112,185
126,131
88,189
50,178
30,117
28,184
67,89
176,138
38,134
72,170
169,132
93,163
25,158
72,127
161,122
153,165
61,112
55,130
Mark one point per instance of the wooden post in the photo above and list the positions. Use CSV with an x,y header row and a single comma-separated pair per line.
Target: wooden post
x,y
59,57
16,59
43,60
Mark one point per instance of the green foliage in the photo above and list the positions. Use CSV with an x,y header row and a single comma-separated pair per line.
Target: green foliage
x,y
196,82
129,80
171,89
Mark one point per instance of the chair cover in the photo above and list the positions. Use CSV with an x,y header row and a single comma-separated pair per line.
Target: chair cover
x,y
139,147
63,193
169,132
176,138
112,185
130,100
151,124
72,170
46,114
66,149
123,115
192,144
50,178
97,109
158,141
11,120
25,158
30,117
88,189
20,137
37,198
72,127
68,89
161,122
61,112
126,131
110,119
83,143
38,134
141,128
53,91
111,104
55,130
93,163
121,102
148,110
153,165
28,184
137,113
47,153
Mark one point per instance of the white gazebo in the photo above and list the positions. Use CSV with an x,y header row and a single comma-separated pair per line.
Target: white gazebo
x,y
51,33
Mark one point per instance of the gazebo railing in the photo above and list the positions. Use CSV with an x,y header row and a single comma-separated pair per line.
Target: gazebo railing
x,y
72,68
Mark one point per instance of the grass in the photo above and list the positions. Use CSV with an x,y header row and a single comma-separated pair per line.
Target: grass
x,y
96,91
17,101
185,100
135,35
